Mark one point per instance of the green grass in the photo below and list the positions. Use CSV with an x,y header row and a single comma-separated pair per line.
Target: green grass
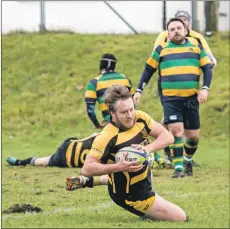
x,y
44,77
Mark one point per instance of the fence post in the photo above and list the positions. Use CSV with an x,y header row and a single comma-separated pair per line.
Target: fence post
x,y
195,22
42,25
211,16
164,15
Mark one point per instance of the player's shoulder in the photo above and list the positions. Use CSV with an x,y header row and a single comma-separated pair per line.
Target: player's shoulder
x,y
193,41
95,80
160,40
195,34
161,46
89,138
98,77
166,44
108,132
121,75
142,115
163,34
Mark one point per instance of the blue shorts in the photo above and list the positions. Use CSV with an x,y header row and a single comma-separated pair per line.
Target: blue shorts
x,y
186,111
59,158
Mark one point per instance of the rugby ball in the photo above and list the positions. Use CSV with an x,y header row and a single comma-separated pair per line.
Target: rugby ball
x,y
133,155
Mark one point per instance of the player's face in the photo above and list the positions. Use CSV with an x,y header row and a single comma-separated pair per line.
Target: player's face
x,y
176,32
124,114
186,22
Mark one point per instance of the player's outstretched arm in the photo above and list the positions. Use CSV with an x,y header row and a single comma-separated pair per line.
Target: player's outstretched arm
x,y
93,167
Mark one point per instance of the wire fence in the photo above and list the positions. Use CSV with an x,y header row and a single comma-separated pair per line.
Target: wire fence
x,y
113,17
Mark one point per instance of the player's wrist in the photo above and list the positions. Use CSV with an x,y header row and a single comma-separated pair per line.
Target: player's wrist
x,y
138,91
205,88
145,149
117,167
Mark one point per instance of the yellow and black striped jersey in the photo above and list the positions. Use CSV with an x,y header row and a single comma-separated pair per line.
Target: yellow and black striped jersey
x,y
111,140
77,150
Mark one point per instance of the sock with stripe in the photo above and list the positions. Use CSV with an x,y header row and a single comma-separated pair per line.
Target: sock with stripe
x,y
156,156
190,147
24,162
96,181
177,148
90,182
167,153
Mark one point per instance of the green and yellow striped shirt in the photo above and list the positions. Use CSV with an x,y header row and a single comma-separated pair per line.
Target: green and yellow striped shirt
x,y
179,67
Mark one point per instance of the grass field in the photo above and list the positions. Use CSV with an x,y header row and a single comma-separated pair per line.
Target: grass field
x,y
44,77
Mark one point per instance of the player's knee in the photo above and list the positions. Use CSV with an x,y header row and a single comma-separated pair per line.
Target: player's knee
x,y
176,130
194,139
182,216
192,134
177,215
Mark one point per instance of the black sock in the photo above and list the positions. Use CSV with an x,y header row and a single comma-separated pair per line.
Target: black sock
x,y
90,184
23,162
168,155
17,162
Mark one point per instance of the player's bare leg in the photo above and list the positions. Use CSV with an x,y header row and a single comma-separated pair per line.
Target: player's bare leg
x,y
42,161
165,211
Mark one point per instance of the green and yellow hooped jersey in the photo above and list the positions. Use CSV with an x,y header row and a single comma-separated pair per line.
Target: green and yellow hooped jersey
x,y
96,89
179,67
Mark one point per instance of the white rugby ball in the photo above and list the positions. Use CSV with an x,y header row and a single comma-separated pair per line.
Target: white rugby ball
x,y
133,155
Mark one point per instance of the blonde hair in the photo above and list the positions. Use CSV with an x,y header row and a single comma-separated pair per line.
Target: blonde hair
x,y
115,93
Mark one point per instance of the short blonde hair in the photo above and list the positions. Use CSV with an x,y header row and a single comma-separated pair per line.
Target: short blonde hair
x,y
115,93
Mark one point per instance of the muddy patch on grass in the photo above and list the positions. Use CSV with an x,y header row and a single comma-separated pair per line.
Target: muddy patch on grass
x,y
22,208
